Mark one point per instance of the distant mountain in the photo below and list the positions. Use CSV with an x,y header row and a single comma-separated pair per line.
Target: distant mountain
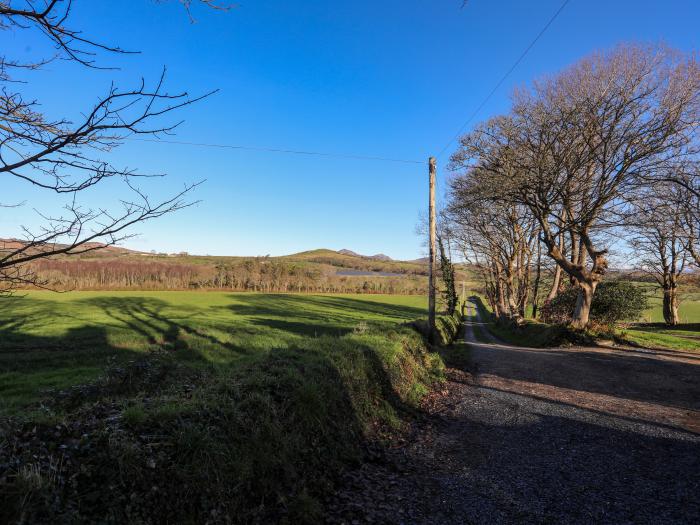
x,y
377,257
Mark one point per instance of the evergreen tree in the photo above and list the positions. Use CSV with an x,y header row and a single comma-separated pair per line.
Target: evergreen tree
x,y
447,270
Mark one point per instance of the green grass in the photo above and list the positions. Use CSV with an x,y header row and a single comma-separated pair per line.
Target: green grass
x,y
652,334
689,308
53,341
255,402
682,337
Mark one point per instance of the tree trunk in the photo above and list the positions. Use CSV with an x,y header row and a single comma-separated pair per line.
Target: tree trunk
x,y
500,300
583,304
573,257
555,284
670,306
538,273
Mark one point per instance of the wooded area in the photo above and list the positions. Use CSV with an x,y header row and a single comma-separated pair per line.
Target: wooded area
x,y
254,274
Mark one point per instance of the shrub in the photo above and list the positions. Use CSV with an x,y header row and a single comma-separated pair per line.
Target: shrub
x,y
613,302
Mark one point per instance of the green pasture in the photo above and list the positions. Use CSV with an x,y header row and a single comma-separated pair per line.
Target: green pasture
x,y
258,401
53,341
651,332
689,309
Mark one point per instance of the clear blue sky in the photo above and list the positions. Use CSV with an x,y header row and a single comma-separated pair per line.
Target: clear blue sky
x,y
394,78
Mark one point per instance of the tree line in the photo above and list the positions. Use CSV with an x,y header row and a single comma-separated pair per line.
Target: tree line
x,y
256,274
598,160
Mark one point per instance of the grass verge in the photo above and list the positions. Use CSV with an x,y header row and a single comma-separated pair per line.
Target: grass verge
x,y
659,336
154,440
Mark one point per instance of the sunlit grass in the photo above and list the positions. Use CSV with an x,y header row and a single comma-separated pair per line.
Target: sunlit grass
x,y
682,337
689,308
54,341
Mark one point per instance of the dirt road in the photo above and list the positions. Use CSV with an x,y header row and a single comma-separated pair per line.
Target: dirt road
x,y
520,435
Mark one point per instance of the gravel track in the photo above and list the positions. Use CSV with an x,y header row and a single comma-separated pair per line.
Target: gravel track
x,y
576,435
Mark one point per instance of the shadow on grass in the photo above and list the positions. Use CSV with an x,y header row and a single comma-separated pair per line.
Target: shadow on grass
x,y
684,327
260,439
145,316
310,315
31,364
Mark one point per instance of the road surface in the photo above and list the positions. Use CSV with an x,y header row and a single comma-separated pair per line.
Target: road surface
x,y
522,435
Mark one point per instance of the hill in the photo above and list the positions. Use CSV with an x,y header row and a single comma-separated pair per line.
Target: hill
x,y
98,248
349,259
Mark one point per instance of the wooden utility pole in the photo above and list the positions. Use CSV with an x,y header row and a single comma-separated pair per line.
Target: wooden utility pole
x,y
431,259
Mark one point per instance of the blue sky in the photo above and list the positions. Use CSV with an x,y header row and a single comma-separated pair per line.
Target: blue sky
x,y
389,78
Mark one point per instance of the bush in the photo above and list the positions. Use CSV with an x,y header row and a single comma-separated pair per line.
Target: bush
x,y
613,302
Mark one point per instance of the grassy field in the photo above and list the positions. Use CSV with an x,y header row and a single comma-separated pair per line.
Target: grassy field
x,y
54,340
653,333
240,406
689,309
682,337
650,332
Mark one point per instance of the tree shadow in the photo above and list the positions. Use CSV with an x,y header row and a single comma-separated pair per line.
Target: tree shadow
x,y
670,379
542,463
293,418
31,366
146,316
300,328
317,314
683,327
640,377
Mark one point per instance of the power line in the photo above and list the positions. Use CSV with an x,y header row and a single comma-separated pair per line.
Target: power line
x,y
504,77
368,157
278,150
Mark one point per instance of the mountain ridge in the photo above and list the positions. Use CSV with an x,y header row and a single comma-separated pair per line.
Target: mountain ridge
x,y
13,243
377,257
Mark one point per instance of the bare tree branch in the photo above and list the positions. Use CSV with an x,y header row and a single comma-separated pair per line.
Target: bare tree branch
x,y
67,156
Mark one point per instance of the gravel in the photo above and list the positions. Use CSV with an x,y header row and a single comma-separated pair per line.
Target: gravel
x,y
582,435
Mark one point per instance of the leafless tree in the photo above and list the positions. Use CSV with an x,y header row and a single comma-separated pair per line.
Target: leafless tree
x,y
687,199
498,238
658,242
65,156
578,143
